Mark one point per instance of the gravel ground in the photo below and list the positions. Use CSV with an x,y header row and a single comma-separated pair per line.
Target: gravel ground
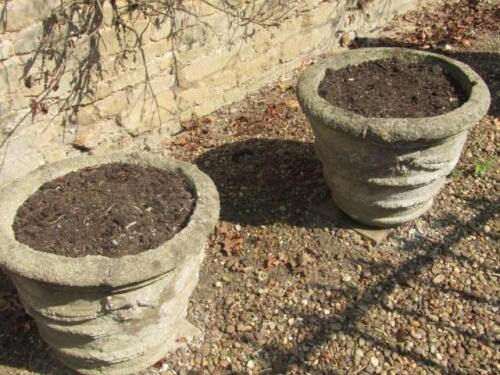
x,y
285,290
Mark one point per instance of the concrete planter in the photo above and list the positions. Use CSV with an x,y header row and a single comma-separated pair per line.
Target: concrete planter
x,y
109,315
386,171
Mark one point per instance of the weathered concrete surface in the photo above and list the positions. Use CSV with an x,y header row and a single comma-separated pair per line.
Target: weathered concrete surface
x,y
109,315
201,60
329,210
386,171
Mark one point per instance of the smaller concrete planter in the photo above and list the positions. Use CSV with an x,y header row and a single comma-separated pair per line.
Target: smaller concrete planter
x,y
109,315
386,171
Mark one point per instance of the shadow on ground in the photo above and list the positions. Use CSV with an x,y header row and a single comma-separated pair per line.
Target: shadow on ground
x,y
263,181
20,345
350,323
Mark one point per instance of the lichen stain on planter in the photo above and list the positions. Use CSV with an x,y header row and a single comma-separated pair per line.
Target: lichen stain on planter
x,y
386,171
110,315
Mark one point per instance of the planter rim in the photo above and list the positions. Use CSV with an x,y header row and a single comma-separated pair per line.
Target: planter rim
x,y
432,128
97,270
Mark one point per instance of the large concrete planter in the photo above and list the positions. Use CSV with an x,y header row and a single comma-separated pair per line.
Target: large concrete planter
x,y
386,171
109,315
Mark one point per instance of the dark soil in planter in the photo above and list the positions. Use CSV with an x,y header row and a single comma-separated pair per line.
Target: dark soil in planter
x,y
112,210
392,88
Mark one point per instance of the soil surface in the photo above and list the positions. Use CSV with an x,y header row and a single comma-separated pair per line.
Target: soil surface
x,y
111,210
392,88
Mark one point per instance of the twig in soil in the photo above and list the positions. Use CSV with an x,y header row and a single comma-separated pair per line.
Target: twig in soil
x,y
109,209
130,224
56,220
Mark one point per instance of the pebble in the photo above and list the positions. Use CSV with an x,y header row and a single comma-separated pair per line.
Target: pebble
x,y
374,361
346,278
335,327
261,338
438,279
205,349
241,327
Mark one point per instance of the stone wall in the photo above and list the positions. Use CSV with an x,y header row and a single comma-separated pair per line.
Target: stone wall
x,y
116,86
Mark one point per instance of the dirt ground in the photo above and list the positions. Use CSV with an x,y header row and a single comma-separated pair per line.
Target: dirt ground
x,y
285,290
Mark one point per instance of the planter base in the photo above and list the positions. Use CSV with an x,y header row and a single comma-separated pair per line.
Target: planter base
x,y
384,185
117,331
183,333
330,211
382,218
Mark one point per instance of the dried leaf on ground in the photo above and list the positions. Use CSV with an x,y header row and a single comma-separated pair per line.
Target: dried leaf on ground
x,y
276,260
456,24
292,103
230,241
233,244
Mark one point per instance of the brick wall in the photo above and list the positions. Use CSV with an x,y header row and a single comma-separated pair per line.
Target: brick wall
x,y
203,56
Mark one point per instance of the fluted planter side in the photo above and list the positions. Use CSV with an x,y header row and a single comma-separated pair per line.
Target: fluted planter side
x,y
386,171
110,315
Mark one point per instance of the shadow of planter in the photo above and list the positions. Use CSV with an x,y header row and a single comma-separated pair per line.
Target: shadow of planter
x,y
6,285
264,181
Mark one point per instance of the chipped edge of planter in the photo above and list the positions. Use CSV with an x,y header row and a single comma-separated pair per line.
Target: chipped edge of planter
x,y
394,129
96,270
